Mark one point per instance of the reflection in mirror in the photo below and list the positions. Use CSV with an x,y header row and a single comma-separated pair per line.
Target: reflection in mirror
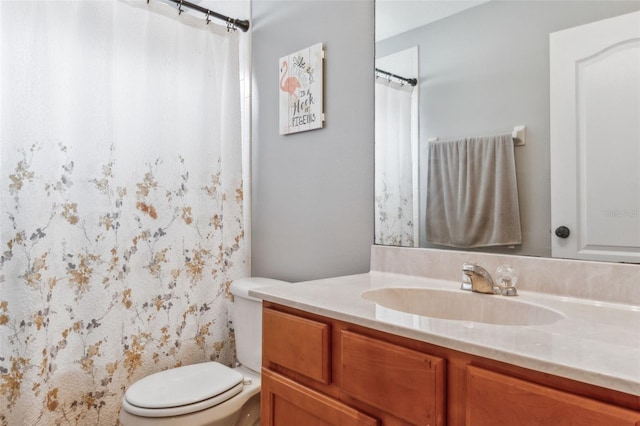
x,y
396,148
483,70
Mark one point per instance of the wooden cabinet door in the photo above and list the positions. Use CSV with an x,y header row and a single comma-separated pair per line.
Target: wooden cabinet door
x,y
494,399
287,403
405,383
298,344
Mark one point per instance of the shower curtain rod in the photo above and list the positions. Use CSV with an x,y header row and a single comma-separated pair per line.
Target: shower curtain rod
x,y
409,81
243,24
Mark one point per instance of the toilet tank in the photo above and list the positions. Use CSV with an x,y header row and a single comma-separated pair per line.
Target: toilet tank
x,y
246,315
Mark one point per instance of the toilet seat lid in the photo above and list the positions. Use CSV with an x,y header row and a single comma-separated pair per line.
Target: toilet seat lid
x,y
184,385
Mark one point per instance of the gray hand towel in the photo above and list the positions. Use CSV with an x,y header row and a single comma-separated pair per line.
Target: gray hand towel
x,y
472,193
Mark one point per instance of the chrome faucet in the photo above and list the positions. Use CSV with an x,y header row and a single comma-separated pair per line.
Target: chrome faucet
x,y
476,278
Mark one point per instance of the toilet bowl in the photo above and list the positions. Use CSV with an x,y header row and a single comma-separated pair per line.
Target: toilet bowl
x,y
210,393
202,408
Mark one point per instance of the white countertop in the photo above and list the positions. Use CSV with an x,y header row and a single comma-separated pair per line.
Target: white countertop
x,y
595,342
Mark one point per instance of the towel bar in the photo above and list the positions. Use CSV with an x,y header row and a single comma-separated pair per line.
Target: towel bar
x,y
519,135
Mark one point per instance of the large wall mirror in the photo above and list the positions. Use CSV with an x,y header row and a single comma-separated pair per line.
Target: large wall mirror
x,y
475,70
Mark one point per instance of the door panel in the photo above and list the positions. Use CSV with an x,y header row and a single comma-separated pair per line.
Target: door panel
x,y
595,140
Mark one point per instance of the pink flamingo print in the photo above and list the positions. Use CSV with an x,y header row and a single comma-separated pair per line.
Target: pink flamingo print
x,y
291,83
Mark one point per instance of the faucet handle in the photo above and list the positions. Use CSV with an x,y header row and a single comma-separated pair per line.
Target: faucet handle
x,y
507,278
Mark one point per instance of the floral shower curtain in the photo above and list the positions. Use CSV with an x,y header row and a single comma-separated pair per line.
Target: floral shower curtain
x,y
395,210
121,202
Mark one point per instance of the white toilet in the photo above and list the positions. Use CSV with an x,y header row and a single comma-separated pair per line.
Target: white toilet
x,y
207,394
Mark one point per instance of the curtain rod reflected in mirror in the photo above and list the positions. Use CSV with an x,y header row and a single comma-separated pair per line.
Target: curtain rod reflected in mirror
x,y
399,79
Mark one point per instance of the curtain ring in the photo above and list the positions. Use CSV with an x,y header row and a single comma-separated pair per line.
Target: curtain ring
x,y
180,8
207,18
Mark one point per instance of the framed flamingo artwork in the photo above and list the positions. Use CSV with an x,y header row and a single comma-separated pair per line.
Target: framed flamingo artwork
x,y
300,86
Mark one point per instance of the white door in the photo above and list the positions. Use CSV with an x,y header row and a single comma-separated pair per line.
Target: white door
x,y
595,140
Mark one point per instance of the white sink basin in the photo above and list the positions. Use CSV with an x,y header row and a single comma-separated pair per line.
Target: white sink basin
x,y
462,305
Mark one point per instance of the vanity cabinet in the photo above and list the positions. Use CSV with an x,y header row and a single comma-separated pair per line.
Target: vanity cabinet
x,y
321,371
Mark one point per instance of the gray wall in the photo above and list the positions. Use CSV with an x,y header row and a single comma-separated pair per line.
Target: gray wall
x,y
312,192
486,70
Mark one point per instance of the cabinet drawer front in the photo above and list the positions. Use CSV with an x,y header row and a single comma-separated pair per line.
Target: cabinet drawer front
x,y
406,383
298,344
287,403
496,399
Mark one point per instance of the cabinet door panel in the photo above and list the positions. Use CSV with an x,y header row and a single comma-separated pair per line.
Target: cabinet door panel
x,y
287,403
495,399
406,383
298,344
